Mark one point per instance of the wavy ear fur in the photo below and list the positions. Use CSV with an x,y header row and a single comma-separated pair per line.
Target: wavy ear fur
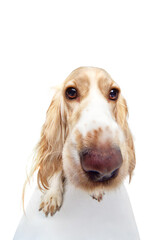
x,y
48,156
121,116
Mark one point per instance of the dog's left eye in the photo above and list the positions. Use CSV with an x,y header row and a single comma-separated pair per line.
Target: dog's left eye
x,y
71,93
113,95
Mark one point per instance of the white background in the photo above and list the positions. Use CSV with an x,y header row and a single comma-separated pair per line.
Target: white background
x,y
41,42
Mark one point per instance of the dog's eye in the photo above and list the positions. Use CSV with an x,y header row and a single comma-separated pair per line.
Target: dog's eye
x,y
113,95
71,93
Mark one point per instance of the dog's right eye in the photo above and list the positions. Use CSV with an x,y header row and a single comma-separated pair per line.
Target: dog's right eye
x,y
71,93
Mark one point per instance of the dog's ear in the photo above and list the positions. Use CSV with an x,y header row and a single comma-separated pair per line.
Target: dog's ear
x,y
121,117
48,157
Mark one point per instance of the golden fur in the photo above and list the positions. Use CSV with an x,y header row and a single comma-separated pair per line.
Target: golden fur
x,y
61,118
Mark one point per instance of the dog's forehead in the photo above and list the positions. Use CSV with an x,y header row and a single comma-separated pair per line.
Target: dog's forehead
x,y
89,77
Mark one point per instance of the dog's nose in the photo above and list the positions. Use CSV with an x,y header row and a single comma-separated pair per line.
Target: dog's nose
x,y
101,165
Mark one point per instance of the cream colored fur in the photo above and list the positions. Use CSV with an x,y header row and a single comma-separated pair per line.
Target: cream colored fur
x,y
89,120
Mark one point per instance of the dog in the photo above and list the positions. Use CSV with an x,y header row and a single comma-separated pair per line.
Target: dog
x,y
85,139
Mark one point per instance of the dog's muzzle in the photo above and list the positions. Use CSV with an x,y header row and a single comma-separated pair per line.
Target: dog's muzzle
x,y
101,165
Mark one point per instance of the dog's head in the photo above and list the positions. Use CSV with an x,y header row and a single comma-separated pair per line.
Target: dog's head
x,y
86,132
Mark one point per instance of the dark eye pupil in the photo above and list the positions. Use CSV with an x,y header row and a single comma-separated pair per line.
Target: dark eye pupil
x,y
71,93
113,94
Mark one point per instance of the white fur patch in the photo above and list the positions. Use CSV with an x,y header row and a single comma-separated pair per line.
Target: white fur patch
x,y
97,114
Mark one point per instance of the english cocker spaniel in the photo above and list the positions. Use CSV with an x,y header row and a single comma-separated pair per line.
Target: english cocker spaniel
x,y
85,139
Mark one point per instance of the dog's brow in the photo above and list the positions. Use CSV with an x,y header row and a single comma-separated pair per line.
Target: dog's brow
x,y
81,82
105,83
78,78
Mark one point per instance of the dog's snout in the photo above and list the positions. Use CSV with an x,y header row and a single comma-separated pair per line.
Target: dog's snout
x,y
101,165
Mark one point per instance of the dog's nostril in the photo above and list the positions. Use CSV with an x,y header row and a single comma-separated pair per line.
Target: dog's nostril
x,y
98,177
93,175
114,173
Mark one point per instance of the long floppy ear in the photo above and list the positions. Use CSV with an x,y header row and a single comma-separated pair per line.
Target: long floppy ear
x,y
48,157
121,116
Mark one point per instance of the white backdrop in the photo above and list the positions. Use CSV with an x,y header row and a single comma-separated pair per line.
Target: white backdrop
x,y
41,42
